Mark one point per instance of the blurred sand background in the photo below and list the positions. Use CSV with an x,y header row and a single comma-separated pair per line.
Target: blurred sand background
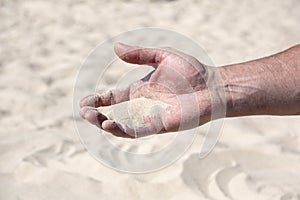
x,y
43,44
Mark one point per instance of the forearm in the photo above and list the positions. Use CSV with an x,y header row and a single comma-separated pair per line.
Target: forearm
x,y
267,86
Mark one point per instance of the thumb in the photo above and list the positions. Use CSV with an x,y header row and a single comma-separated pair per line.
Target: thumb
x,y
139,55
121,48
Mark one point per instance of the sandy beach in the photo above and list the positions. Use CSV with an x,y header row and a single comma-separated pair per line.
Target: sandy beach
x,y
44,43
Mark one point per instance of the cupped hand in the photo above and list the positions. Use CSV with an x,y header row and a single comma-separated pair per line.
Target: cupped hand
x,y
179,80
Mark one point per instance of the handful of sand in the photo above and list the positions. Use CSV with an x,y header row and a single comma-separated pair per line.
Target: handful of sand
x,y
134,114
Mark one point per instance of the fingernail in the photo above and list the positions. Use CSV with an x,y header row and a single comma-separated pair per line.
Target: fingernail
x,y
121,47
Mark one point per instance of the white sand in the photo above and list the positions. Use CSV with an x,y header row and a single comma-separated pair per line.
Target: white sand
x,y
134,113
43,43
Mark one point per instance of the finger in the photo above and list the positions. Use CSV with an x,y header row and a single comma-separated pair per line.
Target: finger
x,y
139,55
174,51
154,127
105,98
113,128
92,115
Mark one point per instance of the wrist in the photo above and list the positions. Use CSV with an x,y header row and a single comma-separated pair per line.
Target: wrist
x,y
243,92
213,98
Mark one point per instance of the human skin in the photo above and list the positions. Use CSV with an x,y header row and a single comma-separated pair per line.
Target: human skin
x,y
266,86
196,92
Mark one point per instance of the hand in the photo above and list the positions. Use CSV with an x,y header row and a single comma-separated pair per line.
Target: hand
x,y
178,80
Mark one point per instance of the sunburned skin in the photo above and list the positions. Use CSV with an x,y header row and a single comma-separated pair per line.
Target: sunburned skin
x,y
134,114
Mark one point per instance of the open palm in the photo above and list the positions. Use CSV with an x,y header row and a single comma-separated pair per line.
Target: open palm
x,y
178,80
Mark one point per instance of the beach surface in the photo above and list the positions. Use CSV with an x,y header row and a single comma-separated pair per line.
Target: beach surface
x,y
44,43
